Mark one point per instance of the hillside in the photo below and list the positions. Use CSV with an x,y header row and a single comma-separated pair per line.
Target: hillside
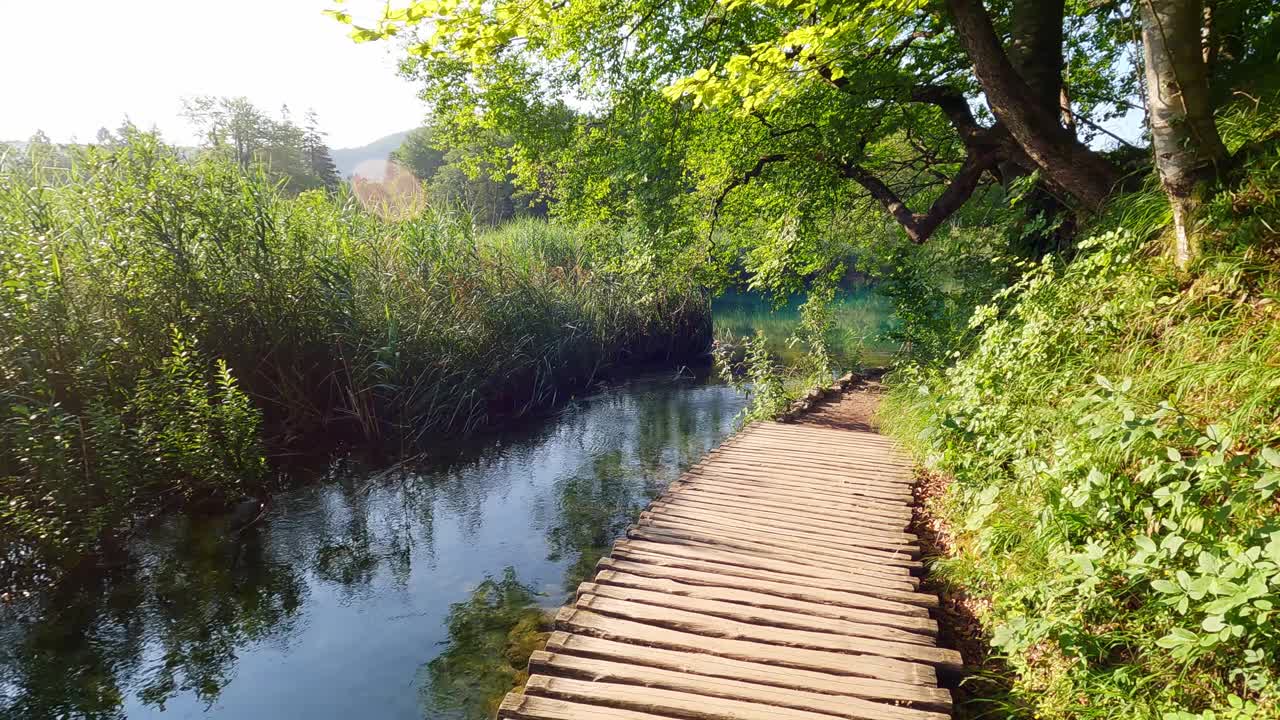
x,y
347,159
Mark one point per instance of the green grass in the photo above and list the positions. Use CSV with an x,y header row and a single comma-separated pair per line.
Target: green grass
x,y
1114,436
164,322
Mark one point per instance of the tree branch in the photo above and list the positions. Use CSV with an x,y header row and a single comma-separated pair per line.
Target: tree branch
x,y
745,178
920,226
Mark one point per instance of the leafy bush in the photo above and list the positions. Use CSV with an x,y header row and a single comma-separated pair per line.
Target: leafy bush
x,y
163,320
1112,435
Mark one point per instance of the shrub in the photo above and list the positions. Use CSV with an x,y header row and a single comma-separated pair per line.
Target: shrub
x,y
163,320
1113,437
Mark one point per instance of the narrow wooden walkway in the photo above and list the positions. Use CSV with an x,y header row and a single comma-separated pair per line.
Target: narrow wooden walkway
x,y
775,580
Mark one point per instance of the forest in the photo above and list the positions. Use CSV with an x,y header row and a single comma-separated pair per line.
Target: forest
x,y
1073,209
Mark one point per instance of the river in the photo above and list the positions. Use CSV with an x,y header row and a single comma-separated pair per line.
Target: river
x,y
394,592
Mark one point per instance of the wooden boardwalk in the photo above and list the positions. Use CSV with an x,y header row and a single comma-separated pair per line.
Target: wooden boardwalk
x,y
775,580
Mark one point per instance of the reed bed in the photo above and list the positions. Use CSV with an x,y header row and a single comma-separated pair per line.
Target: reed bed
x,y
166,323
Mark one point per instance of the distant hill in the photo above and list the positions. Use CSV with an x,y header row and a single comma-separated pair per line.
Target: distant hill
x,y
346,159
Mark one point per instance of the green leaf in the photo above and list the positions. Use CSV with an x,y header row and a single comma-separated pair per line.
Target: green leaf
x,y
1178,638
1272,456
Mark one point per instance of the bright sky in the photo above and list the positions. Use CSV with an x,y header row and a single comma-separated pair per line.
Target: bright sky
x,y
76,65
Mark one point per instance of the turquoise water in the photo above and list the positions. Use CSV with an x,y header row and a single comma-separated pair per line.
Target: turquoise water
x,y
862,320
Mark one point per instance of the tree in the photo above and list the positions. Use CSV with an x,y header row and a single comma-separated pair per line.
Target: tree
x,y
418,155
919,105
294,155
1188,149
319,161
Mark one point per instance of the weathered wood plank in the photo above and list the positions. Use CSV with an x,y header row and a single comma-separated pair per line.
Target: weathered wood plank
x,y
812,490
760,699
837,536
701,663
855,514
889,476
578,620
758,536
751,566
517,706
748,613
887,655
719,579
757,554
663,702
791,518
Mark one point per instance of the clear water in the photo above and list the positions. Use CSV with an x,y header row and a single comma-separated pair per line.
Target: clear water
x,y
381,593
862,320
336,604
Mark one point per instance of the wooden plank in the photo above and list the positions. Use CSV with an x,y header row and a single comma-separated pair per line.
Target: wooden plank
x,y
886,655
758,536
690,583
837,536
705,664
811,490
578,620
836,442
888,476
870,515
663,702
841,486
833,444
751,567
780,558
896,516
750,613
831,439
759,490
781,515
761,698
857,450
869,465
517,706
719,579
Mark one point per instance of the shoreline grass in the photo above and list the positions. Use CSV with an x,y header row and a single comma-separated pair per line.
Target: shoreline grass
x,y
166,322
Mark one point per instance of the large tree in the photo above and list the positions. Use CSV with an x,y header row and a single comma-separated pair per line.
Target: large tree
x,y
917,105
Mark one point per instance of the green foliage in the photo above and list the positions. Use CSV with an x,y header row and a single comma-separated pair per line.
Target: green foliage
x,y
751,364
335,323
295,155
491,636
1113,438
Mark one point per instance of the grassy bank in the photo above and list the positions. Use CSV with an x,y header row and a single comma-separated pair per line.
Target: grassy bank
x,y
166,323
1113,431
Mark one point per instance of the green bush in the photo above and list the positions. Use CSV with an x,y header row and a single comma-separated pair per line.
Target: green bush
x,y
1112,436
162,320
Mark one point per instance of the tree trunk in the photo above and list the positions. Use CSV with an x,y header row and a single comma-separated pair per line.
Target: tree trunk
x,y
1188,150
1031,114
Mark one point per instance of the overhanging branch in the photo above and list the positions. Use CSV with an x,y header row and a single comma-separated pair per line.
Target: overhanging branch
x,y
920,226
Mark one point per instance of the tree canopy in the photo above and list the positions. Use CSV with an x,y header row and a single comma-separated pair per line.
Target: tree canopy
x,y
700,114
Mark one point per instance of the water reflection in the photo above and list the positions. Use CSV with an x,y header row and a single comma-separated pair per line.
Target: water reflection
x,y
408,592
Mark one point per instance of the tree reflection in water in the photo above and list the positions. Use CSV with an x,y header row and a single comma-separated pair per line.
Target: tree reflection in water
x,y
363,582
171,624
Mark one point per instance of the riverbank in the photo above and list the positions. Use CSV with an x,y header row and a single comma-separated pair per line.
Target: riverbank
x,y
170,323
1109,450
373,591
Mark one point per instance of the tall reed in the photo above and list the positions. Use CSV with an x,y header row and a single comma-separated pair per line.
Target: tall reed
x,y
163,320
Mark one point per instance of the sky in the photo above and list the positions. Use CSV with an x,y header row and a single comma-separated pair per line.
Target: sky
x,y
74,66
